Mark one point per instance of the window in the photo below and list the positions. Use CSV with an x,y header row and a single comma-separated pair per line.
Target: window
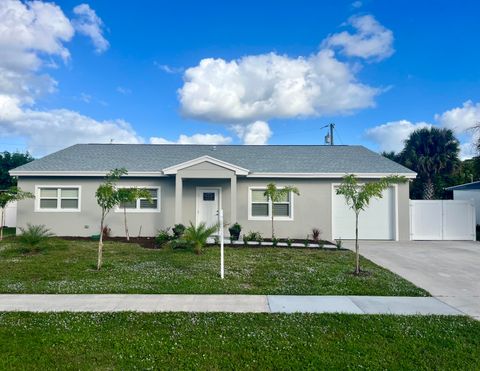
x,y
208,196
261,207
55,198
143,204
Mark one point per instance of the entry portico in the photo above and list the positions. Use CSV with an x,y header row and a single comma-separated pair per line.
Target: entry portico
x,y
205,173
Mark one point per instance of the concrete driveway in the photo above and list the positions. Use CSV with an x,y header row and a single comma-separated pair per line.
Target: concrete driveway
x,y
449,270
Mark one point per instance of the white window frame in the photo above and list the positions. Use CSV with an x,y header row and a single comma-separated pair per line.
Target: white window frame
x,y
59,198
137,209
270,206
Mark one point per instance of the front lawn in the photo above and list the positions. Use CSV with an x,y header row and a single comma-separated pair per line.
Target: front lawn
x,y
69,267
236,341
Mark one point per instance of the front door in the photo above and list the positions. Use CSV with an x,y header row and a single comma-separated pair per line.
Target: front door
x,y
208,203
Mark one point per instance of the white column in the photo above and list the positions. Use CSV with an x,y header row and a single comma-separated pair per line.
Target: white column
x,y
178,198
233,199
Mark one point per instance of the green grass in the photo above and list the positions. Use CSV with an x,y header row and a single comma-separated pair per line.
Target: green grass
x,y
69,267
236,341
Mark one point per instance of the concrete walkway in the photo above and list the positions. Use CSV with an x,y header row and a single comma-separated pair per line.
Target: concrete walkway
x,y
226,303
449,270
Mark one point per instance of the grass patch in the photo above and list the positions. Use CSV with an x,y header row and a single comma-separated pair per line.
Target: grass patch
x,y
69,267
237,341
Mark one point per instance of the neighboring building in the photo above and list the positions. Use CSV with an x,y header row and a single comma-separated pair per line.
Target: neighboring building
x,y
189,183
468,192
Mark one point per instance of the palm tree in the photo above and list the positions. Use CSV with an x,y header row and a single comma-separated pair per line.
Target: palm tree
x,y
431,152
275,194
198,236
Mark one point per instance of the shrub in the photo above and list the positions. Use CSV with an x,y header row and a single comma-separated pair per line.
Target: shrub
x,y
339,243
180,244
198,236
275,242
253,236
178,230
163,237
34,234
316,234
234,231
289,242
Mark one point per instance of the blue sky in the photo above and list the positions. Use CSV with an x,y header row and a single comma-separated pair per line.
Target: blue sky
x,y
126,77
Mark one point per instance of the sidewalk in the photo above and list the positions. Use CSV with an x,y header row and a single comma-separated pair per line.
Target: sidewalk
x,y
226,303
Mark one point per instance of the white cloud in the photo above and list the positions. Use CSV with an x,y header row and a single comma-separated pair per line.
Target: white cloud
x,y
85,98
168,69
45,131
27,29
268,86
392,135
32,35
194,139
28,32
357,4
89,24
461,120
370,40
124,91
257,132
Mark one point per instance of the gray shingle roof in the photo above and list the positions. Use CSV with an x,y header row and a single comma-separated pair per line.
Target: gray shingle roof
x,y
270,158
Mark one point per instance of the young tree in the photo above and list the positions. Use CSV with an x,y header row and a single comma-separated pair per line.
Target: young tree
x,y
276,194
107,199
8,196
358,198
131,195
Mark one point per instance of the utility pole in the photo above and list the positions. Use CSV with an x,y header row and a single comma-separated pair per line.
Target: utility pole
x,y
329,136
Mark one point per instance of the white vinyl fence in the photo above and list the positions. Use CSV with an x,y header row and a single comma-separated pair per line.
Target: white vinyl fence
x,y
442,220
11,215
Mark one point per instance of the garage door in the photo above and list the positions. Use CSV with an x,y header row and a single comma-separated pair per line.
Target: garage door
x,y
375,223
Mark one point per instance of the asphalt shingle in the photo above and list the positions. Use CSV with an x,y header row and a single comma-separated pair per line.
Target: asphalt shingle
x,y
270,158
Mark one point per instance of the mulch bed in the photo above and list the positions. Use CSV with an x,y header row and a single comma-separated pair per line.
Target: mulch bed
x,y
147,242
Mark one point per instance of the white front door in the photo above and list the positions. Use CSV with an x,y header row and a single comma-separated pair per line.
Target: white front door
x,y
208,203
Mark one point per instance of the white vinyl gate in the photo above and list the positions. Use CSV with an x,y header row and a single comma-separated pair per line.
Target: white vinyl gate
x,y
442,220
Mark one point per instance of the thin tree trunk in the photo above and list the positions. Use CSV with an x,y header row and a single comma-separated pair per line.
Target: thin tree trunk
x,y
357,255
125,220
100,243
2,223
273,231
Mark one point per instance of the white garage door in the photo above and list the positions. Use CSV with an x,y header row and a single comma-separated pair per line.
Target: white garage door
x,y
375,223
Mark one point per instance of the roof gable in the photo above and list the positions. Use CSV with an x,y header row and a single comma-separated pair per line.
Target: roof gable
x,y
171,170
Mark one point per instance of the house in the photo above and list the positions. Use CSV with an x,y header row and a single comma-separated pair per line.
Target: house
x,y
191,182
468,192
